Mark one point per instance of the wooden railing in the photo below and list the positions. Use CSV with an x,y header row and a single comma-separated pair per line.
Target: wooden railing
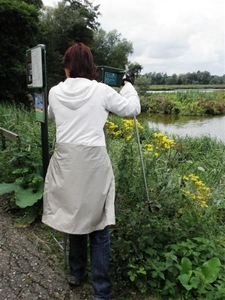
x,y
6,134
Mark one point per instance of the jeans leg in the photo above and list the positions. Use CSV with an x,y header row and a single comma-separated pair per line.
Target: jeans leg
x,y
78,255
100,248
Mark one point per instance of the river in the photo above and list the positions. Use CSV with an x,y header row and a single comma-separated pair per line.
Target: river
x,y
188,126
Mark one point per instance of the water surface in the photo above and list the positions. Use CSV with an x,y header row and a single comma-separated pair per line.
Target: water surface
x,y
187,125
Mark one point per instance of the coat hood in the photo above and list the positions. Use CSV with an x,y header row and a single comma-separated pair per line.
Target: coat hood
x,y
75,92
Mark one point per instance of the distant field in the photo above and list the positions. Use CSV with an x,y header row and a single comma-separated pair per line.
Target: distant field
x,y
189,86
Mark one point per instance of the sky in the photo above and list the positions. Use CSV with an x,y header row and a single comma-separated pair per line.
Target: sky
x,y
168,36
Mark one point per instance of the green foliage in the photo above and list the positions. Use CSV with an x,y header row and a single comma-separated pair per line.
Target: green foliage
x,y
184,204
23,175
195,103
198,267
110,49
19,29
28,186
37,3
142,85
27,189
201,277
136,67
69,22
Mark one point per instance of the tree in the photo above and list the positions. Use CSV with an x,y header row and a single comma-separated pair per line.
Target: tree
x,y
215,79
37,3
136,67
171,79
110,49
19,28
71,21
142,84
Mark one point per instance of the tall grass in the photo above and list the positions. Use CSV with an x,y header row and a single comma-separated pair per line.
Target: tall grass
x,y
23,123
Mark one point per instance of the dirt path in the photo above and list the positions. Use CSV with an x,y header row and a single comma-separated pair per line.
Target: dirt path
x,y
28,269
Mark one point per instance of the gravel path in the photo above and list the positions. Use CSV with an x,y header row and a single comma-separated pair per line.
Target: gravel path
x,y
29,269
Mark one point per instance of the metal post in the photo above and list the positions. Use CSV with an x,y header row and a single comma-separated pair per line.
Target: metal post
x,y
65,248
44,125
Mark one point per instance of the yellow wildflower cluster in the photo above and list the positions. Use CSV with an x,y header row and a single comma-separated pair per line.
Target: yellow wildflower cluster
x,y
161,142
127,130
197,190
113,129
150,148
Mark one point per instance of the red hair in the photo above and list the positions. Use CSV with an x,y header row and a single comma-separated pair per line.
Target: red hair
x,y
78,59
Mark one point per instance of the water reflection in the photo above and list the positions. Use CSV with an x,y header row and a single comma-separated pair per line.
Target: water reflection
x,y
187,125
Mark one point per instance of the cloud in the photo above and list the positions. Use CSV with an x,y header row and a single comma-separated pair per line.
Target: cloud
x,y
170,36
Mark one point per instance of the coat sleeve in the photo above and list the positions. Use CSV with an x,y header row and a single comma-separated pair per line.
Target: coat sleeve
x,y
125,104
50,110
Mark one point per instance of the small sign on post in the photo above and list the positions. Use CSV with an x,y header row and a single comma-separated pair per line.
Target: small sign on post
x,y
35,72
36,80
39,107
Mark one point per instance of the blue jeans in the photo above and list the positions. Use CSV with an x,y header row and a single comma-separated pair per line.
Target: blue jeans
x,y
99,254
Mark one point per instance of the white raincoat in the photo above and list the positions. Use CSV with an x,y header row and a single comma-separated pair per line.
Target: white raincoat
x,y
79,187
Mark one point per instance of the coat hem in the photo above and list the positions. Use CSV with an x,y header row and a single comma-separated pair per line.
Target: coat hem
x,y
81,231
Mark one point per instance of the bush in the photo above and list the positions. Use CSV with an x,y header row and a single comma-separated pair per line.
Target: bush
x,y
184,103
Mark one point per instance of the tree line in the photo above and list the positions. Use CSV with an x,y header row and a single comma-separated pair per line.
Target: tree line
x,y
183,79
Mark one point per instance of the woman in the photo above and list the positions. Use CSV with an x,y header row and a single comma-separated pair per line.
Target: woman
x,y
79,187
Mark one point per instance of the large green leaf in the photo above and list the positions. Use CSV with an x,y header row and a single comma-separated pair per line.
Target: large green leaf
x,y
27,197
186,266
184,280
186,272
6,188
211,268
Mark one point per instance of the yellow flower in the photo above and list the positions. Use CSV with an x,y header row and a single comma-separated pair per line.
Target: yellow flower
x,y
162,141
198,190
148,147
